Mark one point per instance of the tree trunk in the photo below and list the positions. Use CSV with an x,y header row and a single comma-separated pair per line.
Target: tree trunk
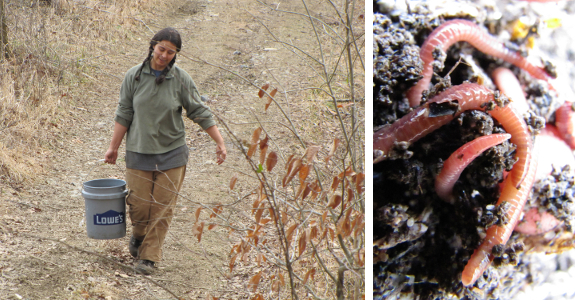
x,y
4,46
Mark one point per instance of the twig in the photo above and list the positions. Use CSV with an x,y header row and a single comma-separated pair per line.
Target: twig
x,y
46,261
296,13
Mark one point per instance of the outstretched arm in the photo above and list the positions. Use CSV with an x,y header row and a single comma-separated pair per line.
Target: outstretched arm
x,y
220,146
112,153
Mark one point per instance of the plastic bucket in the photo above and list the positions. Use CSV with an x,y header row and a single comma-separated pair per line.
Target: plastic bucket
x,y
105,201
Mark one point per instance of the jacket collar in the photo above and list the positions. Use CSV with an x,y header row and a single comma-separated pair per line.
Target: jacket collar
x,y
148,70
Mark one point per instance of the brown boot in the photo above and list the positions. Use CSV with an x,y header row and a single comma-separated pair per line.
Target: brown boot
x,y
134,245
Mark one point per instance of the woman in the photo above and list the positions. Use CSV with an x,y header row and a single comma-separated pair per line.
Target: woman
x,y
150,113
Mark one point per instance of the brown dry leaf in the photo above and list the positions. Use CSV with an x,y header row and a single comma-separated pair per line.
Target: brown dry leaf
x,y
255,281
197,230
289,161
282,281
314,195
359,228
258,297
335,183
306,192
302,243
197,214
324,217
313,232
334,201
256,136
255,205
264,142
347,172
357,221
349,195
261,92
332,150
344,225
324,234
360,258
308,274
310,153
271,161
358,180
252,150
263,152
331,233
289,232
233,181
212,226
260,212
218,209
294,170
303,173
284,180
233,261
289,167
264,221
260,192
300,190
270,98
315,186
272,214
297,165
284,217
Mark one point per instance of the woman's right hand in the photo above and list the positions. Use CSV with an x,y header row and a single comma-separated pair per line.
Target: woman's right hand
x,y
111,156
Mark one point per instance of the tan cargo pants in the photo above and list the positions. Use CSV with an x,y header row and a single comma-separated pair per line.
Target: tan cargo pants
x,y
151,200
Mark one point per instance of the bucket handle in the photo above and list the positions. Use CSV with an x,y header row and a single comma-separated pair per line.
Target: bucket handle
x,y
97,164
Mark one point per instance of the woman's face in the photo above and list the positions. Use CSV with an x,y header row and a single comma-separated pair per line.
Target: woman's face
x,y
164,52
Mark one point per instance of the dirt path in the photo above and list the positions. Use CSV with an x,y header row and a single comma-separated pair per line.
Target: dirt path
x,y
223,32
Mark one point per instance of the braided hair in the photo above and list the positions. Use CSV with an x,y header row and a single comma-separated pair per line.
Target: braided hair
x,y
167,34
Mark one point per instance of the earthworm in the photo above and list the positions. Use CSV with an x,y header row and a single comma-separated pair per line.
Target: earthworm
x,y
498,235
535,222
565,122
462,30
508,84
445,107
458,161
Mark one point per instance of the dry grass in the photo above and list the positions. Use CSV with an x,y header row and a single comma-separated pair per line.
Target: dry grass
x,y
51,43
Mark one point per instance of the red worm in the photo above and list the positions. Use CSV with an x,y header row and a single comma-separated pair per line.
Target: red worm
x,y
461,30
498,235
508,84
467,96
535,222
458,161
565,122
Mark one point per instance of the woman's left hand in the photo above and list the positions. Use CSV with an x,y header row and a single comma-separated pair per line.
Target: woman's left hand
x,y
221,153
